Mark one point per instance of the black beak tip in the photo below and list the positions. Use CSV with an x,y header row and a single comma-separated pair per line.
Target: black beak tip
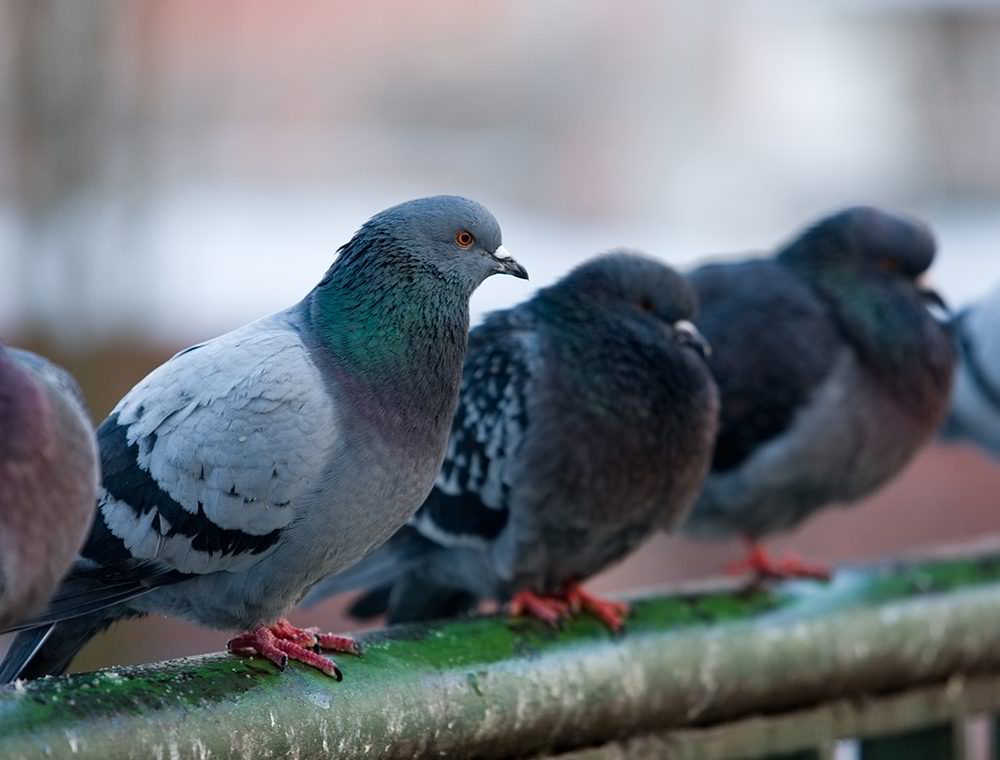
x,y
703,347
937,305
516,270
690,336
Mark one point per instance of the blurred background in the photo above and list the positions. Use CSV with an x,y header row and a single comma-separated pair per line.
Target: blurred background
x,y
169,171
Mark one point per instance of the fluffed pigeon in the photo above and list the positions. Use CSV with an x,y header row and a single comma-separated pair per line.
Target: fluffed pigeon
x,y
975,400
48,479
832,373
585,422
246,468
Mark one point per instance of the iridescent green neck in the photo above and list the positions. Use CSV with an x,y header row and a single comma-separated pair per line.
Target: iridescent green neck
x,y
374,326
888,326
396,340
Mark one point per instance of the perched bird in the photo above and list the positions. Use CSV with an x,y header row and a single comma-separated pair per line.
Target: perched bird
x,y
975,400
832,373
585,422
48,479
245,469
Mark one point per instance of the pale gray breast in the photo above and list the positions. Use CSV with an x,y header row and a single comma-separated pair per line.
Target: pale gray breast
x,y
845,441
853,436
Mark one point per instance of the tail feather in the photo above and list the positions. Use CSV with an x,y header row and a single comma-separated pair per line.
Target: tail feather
x,y
81,607
418,600
49,649
371,604
88,601
397,582
413,600
87,590
22,649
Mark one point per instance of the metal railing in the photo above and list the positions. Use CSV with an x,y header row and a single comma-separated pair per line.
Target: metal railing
x,y
898,656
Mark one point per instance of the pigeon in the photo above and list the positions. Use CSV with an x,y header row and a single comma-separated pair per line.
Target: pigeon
x,y
247,468
832,372
49,474
975,403
585,423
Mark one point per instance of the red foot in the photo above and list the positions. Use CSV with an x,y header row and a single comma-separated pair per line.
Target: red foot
x,y
311,638
283,641
548,609
608,611
553,609
767,567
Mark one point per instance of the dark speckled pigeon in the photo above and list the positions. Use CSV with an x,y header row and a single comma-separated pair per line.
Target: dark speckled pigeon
x,y
249,467
832,373
975,401
48,479
585,422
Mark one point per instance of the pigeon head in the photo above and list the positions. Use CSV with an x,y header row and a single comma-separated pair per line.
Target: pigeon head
x,y
395,303
869,265
866,239
23,409
864,242
449,237
51,374
636,287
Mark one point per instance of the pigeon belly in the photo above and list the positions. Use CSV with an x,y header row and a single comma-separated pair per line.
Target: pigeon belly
x,y
852,438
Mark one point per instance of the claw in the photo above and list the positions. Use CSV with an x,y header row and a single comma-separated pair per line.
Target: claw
x,y
548,609
335,643
768,567
283,641
304,637
554,609
610,612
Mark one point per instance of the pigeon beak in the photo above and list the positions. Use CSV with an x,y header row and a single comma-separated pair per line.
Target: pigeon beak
x,y
507,264
935,304
688,335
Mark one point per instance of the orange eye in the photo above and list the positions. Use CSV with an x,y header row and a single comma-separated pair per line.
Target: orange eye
x,y
464,239
889,265
646,305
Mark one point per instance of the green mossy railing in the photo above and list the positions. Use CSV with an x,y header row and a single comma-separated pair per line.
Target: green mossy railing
x,y
712,672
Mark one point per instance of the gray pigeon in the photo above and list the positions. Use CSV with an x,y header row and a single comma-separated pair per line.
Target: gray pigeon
x,y
48,479
832,373
975,400
247,468
585,422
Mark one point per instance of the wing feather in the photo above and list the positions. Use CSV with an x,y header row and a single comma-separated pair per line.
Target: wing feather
x,y
469,505
206,459
766,370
